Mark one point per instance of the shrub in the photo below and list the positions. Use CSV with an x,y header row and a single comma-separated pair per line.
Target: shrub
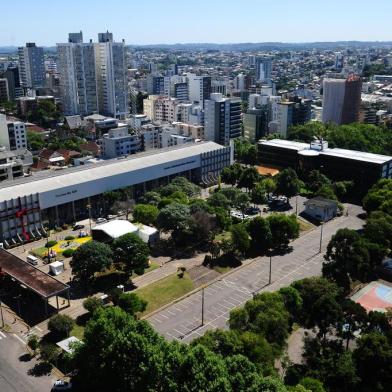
x,y
68,252
69,238
49,352
33,343
61,324
91,304
50,244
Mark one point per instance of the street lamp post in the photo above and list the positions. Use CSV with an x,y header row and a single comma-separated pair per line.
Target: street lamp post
x,y
321,235
202,306
270,267
89,215
296,204
2,316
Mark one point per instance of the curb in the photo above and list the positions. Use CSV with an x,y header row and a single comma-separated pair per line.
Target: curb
x,y
194,291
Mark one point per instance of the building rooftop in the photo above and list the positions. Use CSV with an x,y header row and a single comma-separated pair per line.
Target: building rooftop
x,y
41,283
50,180
304,149
284,144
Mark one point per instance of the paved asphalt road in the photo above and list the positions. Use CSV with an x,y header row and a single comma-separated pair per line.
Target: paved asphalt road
x,y
14,375
182,320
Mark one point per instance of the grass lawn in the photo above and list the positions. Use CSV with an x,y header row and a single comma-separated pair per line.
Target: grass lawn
x,y
77,331
151,267
304,225
40,252
164,291
225,235
61,246
221,270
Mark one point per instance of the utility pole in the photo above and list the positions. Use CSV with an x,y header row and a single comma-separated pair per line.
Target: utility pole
x,y
270,267
321,235
202,306
2,316
89,213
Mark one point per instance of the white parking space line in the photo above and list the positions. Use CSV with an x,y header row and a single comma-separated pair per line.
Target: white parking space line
x,y
2,334
20,339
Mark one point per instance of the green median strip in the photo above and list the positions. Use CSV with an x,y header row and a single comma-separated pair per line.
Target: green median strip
x,y
165,291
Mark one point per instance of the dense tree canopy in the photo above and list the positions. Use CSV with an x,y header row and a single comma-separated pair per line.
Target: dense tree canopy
x,y
90,258
145,213
360,137
131,253
122,354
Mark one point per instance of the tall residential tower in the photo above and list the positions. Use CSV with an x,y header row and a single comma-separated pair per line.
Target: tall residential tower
x,y
78,83
342,100
31,66
111,73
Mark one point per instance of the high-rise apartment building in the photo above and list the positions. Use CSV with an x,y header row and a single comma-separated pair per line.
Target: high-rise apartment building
x,y
263,66
31,66
342,100
12,134
222,119
4,90
78,82
199,88
111,73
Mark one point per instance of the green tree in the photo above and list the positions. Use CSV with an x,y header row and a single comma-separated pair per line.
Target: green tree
x,y
260,233
131,253
249,178
283,229
240,238
259,194
33,343
131,303
241,202
379,197
349,257
218,199
327,361
145,213
312,385
35,141
288,183
316,181
61,325
152,198
184,185
378,229
90,258
320,303
91,304
265,314
373,357
173,217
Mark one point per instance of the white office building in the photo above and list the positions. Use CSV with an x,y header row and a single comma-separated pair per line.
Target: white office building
x,y
27,204
78,83
31,66
12,134
118,142
111,73
199,88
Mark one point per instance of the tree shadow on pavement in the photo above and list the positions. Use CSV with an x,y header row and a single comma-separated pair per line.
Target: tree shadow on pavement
x,y
40,369
25,357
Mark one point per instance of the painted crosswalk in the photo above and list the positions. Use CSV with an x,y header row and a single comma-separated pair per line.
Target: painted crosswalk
x,y
32,331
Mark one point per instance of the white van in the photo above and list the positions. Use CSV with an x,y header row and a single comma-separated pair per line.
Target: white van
x,y
32,260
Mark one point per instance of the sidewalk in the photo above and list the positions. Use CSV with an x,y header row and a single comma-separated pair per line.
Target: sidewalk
x,y
168,267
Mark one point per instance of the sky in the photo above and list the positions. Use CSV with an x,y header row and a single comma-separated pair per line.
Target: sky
x,y
47,22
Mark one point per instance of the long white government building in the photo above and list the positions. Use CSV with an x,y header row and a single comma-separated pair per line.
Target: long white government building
x,y
29,203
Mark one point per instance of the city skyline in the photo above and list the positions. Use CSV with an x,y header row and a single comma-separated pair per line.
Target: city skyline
x,y
156,23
